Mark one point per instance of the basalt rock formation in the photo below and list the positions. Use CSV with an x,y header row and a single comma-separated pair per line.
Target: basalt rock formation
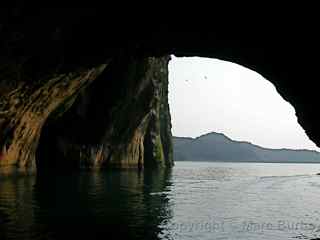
x,y
88,86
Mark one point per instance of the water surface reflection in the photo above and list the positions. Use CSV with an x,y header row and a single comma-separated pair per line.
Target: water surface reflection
x,y
112,205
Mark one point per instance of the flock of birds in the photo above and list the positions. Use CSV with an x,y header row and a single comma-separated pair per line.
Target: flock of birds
x,y
205,77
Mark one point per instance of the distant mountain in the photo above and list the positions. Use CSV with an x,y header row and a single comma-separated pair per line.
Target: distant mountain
x,y
218,147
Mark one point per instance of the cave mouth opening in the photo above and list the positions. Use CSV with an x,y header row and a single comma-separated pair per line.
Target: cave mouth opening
x,y
205,95
209,95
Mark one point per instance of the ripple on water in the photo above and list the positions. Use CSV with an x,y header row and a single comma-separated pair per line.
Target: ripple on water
x,y
193,201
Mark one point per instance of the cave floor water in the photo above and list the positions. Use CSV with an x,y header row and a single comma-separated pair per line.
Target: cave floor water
x,y
194,200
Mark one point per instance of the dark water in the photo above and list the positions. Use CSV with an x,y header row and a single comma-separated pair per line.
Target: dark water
x,y
193,201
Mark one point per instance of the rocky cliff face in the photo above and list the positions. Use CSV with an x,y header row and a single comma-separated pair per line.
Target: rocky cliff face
x,y
25,108
121,120
103,116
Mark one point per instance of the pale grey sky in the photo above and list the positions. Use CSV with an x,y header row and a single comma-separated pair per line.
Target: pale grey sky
x,y
208,95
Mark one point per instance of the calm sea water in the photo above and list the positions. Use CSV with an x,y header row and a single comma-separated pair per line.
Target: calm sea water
x,y
192,201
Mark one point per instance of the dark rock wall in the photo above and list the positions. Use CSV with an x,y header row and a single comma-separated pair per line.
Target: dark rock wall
x,y
25,108
121,120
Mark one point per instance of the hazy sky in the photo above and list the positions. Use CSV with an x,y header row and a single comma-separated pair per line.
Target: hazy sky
x,y
212,95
